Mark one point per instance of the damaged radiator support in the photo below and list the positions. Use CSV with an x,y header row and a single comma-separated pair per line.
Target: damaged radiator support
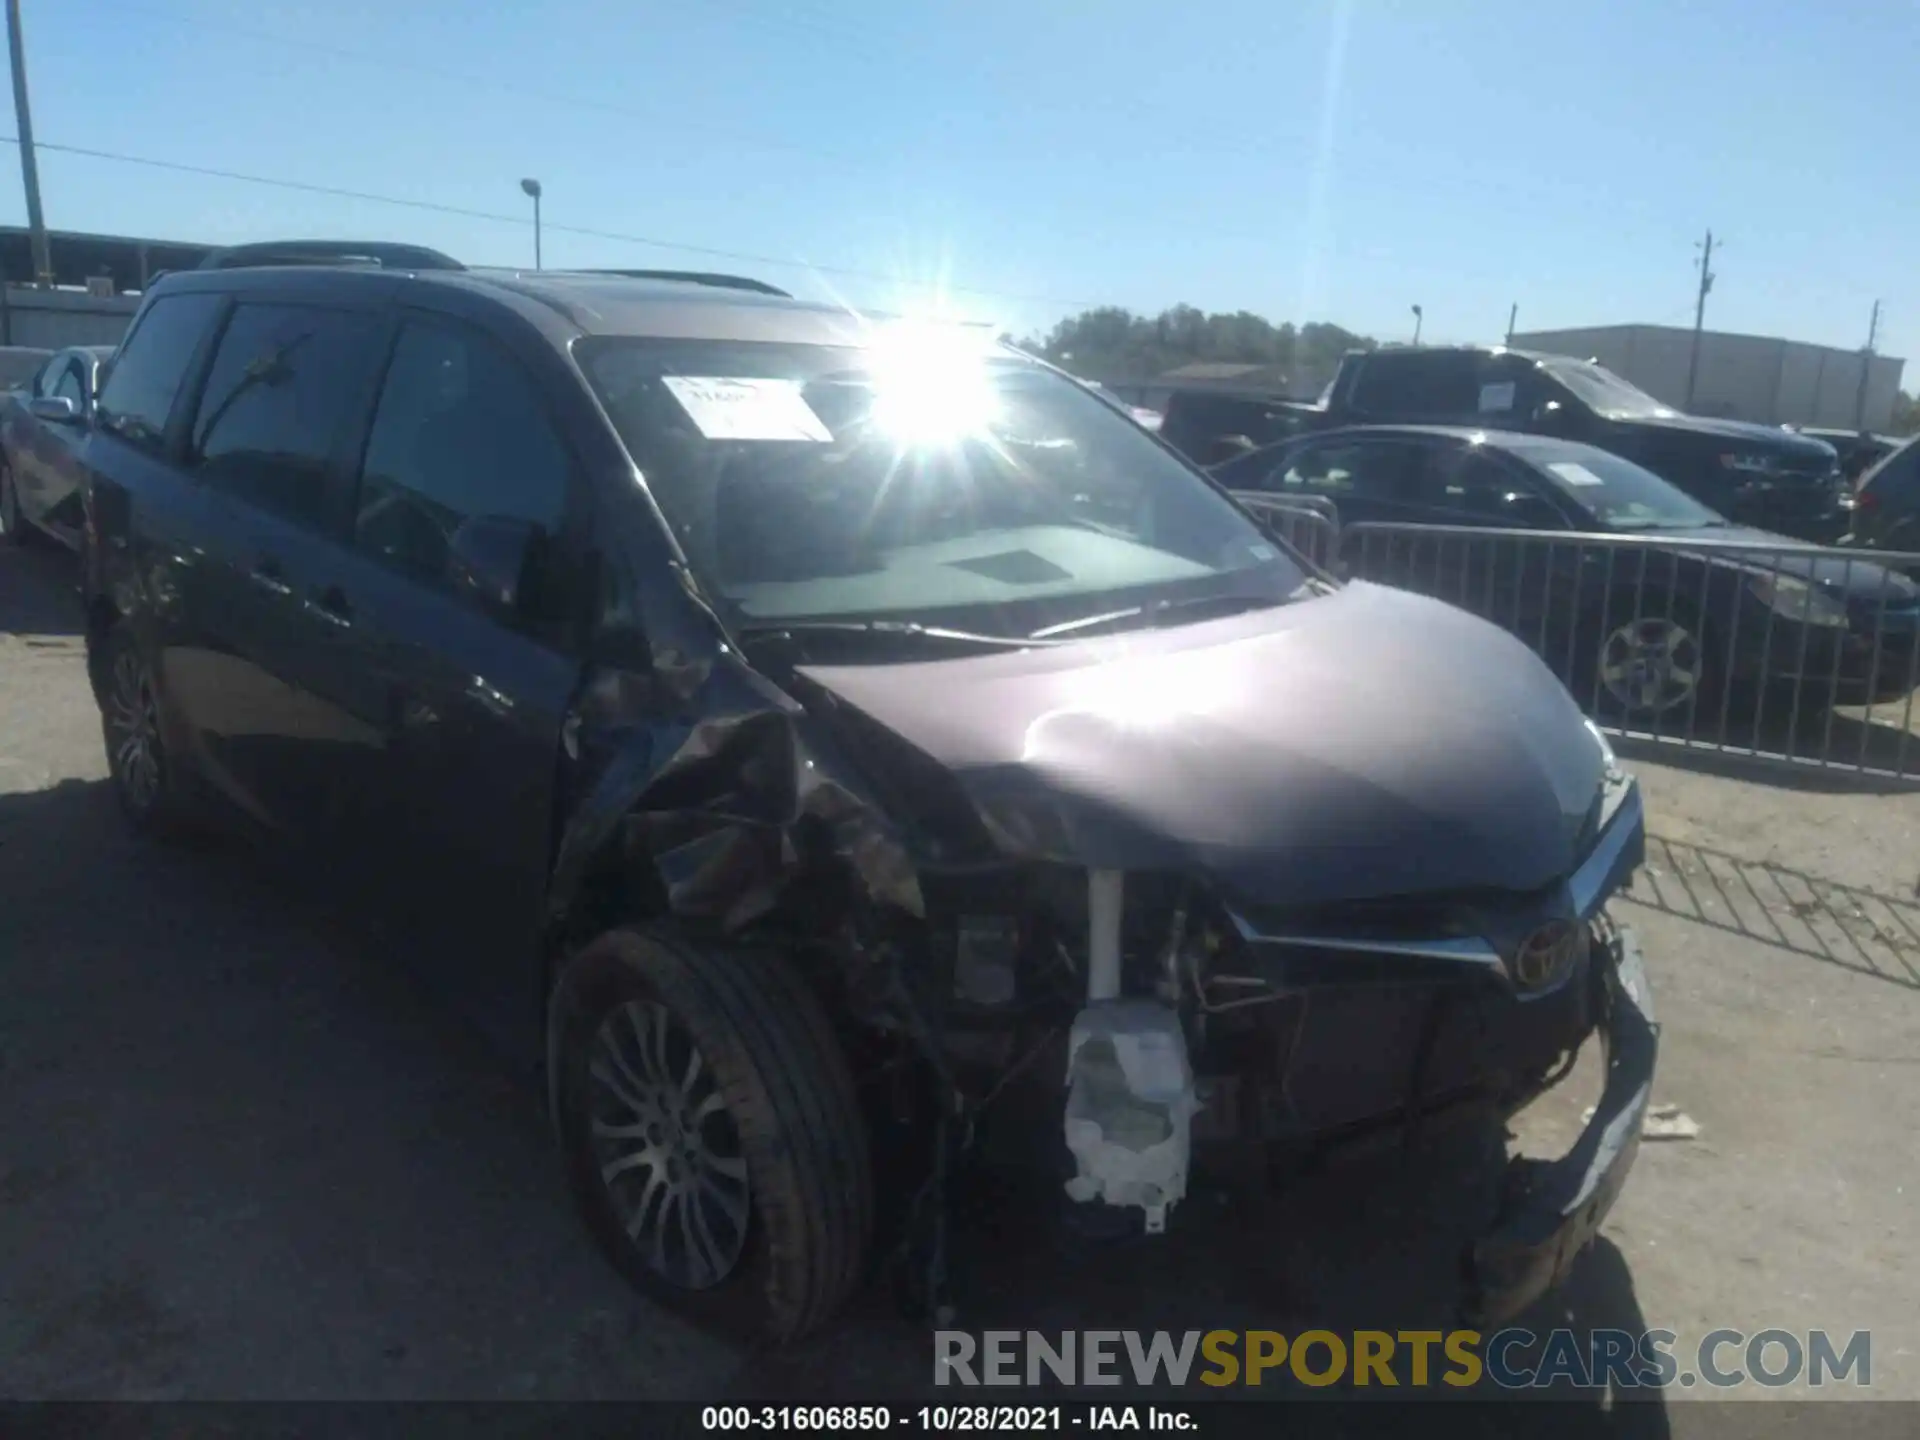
x,y
1130,1088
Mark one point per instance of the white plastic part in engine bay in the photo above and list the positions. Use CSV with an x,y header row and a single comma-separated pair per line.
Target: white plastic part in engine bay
x,y
1130,1107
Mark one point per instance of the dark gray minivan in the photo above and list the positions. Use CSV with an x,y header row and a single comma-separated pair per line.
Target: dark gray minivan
x,y
781,729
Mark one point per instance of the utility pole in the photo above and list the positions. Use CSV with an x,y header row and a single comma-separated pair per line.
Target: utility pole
x,y
1700,314
29,170
532,188
1513,314
1866,369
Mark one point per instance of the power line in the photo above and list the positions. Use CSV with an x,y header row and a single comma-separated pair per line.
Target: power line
x,y
658,119
341,192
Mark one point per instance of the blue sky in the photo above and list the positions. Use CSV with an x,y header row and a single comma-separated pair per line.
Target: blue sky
x,y
1304,159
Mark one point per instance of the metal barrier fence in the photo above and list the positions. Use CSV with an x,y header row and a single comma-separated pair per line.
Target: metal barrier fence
x,y
1308,523
1790,652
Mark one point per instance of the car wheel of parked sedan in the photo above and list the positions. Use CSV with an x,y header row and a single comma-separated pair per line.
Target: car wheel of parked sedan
x,y
713,1137
1649,666
144,775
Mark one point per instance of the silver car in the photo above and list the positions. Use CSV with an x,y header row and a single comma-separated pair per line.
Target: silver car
x,y
42,423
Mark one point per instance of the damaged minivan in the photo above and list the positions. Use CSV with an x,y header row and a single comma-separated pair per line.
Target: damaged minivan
x,y
761,717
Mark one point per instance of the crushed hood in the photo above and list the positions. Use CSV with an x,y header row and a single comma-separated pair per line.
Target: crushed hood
x,y
1365,743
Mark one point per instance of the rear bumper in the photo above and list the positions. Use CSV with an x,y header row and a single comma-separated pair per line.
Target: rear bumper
x,y
1551,1210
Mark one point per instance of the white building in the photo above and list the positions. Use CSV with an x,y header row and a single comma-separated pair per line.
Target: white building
x,y
1741,377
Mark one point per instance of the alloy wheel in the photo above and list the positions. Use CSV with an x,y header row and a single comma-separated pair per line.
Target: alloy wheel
x,y
1651,666
133,728
668,1150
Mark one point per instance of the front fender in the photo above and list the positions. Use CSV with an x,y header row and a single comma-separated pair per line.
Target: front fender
x,y
723,806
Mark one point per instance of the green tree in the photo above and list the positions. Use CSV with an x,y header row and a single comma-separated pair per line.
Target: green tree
x,y
1113,344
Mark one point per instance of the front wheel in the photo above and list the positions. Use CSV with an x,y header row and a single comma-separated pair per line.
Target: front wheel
x,y
1647,665
713,1137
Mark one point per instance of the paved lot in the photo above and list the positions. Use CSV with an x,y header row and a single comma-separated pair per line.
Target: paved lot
x,y
242,1156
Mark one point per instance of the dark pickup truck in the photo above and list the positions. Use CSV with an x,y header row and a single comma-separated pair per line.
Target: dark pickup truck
x,y
1761,476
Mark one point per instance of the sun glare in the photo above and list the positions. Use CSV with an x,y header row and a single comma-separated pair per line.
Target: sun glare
x,y
930,384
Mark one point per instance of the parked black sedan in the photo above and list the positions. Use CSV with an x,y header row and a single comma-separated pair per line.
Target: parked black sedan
x,y
1648,611
42,423
1886,508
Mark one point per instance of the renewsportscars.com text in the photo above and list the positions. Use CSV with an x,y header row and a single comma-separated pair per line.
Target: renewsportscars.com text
x,y
1509,1359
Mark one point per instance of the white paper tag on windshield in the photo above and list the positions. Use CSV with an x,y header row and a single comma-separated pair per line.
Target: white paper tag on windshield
x,y
1498,396
1574,473
738,409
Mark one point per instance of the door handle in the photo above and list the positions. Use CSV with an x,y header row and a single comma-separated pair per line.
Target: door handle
x,y
332,606
415,714
270,576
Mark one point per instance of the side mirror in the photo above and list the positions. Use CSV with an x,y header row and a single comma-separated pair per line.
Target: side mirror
x,y
54,409
490,559
1550,415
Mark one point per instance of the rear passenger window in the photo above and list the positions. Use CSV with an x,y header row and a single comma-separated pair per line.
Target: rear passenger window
x,y
459,433
1429,383
147,371
283,387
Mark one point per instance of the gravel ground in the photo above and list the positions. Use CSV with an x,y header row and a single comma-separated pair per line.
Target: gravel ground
x,y
242,1157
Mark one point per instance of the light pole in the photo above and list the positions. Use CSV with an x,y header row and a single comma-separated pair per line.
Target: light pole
x,y
1417,318
532,187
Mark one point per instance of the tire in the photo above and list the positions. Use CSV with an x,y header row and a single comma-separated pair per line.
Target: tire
x,y
772,1143
1648,664
146,779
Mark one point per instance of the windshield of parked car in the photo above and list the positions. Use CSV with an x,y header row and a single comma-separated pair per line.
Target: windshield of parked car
x,y
1604,391
924,477
1618,493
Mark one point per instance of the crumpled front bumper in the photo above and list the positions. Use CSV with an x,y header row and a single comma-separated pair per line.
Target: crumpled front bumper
x,y
1551,1210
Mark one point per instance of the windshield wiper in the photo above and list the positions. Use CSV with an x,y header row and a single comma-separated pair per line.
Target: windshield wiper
x,y
1157,612
904,629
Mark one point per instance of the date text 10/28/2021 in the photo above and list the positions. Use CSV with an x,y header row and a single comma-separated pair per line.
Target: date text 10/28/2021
x,y
948,1419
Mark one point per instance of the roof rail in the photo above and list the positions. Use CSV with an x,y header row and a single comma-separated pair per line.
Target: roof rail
x,y
698,277
377,254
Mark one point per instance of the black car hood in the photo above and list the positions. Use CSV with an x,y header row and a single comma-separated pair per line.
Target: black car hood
x,y
1855,577
1368,742
1807,450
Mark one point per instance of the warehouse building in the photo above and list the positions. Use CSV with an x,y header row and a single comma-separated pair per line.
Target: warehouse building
x,y
97,280
1741,377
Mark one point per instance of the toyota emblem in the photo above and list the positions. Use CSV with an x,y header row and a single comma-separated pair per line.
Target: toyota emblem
x,y
1545,955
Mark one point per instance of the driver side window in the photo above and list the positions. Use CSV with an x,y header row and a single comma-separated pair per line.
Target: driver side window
x,y
1375,469
459,433
1477,486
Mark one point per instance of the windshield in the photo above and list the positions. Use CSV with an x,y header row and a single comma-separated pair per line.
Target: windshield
x,y
1619,493
943,483
1604,391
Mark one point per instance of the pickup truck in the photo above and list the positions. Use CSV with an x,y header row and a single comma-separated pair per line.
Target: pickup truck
x,y
1755,474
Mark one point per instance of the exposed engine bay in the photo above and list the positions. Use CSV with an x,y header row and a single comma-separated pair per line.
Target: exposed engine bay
x,y
1227,922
